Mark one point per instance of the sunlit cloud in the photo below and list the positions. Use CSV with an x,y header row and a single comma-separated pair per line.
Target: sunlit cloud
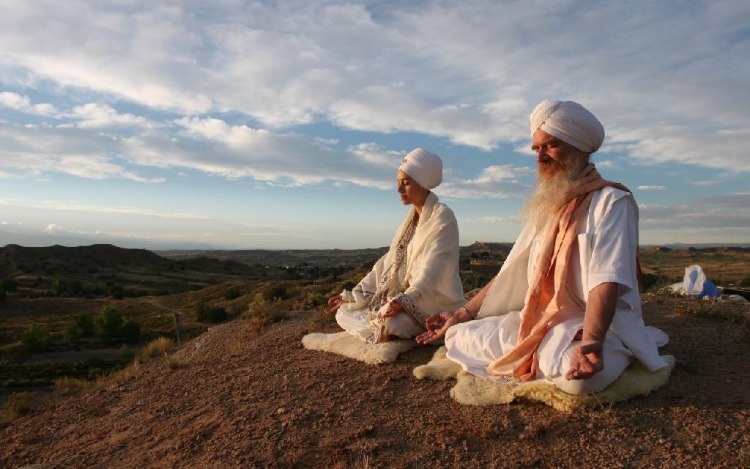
x,y
147,93
65,206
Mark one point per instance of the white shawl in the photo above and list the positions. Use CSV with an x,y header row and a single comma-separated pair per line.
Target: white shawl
x,y
430,282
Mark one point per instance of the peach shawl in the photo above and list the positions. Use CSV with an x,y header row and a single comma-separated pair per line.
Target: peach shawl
x,y
551,298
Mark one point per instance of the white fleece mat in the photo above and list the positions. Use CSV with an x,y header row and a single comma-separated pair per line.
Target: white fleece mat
x,y
470,390
345,344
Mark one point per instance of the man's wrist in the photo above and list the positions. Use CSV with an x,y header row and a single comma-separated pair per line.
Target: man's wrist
x,y
465,314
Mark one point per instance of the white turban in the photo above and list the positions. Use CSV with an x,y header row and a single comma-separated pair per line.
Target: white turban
x,y
570,122
424,167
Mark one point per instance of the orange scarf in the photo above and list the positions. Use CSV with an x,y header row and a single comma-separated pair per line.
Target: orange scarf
x,y
551,298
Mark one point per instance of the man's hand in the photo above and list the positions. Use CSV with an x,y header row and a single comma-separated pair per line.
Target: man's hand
x,y
437,325
333,304
586,361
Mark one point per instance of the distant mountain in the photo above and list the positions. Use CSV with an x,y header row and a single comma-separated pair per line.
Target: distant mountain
x,y
284,257
98,267
698,245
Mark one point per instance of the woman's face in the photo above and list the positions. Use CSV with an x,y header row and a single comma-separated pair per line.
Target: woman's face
x,y
409,190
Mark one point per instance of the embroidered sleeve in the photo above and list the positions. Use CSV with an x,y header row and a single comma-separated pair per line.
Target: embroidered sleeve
x,y
360,297
410,307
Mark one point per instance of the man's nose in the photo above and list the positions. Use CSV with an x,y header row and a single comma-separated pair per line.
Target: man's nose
x,y
541,156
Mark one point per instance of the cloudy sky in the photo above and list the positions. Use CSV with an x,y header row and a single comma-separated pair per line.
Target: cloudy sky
x,y
257,124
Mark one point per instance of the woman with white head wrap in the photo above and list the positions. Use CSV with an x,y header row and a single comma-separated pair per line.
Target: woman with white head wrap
x,y
418,276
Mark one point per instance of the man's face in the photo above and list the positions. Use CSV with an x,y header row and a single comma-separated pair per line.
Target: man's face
x,y
553,156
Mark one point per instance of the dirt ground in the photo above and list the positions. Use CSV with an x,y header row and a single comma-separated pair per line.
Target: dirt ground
x,y
232,398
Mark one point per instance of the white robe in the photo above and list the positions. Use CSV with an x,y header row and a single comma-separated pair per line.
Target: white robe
x,y
606,252
431,277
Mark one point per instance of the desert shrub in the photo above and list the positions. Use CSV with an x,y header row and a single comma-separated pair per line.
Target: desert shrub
x,y
116,291
665,291
656,283
205,312
82,326
68,385
276,292
59,287
262,311
9,285
232,294
85,322
157,347
72,333
18,404
112,326
36,338
745,282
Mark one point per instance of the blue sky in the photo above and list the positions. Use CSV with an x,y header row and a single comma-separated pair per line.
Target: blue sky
x,y
249,124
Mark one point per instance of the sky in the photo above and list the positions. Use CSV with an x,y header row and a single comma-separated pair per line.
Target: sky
x,y
236,124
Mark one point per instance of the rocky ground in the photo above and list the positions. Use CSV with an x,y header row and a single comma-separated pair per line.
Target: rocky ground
x,y
234,398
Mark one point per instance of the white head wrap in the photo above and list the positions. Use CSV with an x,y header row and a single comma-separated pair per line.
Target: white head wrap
x,y
570,122
424,167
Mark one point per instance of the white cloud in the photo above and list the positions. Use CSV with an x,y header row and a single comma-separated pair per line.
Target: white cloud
x,y
23,104
495,220
651,188
67,206
34,151
94,115
719,213
465,72
493,182
145,92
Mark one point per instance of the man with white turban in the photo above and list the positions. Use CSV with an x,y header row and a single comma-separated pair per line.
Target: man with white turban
x,y
565,305
418,276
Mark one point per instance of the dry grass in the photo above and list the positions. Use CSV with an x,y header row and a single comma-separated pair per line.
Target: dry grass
x,y
22,403
67,385
262,312
19,404
158,347
361,461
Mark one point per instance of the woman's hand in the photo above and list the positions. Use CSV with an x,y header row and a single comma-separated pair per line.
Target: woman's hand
x,y
438,324
333,304
394,307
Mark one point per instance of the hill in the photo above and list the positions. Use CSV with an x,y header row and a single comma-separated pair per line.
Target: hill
x,y
236,398
94,270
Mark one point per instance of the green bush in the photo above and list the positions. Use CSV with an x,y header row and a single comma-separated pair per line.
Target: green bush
x,y
112,326
72,333
116,292
204,312
276,292
232,294
83,326
8,285
263,312
35,338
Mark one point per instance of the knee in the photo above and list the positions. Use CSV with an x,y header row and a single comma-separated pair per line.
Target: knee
x,y
402,327
578,387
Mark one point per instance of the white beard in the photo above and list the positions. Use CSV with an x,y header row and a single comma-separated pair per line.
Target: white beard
x,y
549,195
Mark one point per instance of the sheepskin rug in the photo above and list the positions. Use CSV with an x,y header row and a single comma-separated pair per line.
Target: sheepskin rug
x,y
471,390
347,345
